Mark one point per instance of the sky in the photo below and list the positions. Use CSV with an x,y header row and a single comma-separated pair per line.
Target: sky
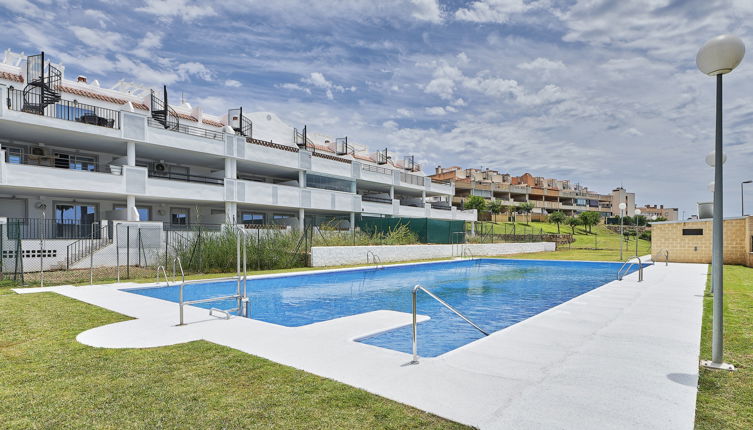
x,y
604,93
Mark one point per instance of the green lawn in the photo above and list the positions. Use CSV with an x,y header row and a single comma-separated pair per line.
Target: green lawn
x,y
725,399
50,381
600,244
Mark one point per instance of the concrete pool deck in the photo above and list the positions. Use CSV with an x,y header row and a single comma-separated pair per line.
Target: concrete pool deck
x,y
624,355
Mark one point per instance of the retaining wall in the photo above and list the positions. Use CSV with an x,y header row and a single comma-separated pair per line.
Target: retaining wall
x,y
341,255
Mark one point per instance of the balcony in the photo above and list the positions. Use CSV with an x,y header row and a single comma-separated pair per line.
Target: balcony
x,y
185,177
189,130
263,193
409,179
263,151
66,110
54,173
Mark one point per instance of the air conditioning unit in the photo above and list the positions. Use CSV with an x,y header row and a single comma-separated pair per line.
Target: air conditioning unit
x,y
160,167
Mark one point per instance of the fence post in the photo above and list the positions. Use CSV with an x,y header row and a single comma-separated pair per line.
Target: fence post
x,y
117,250
128,252
91,256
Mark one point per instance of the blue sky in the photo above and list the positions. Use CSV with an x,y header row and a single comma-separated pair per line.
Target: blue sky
x,y
600,92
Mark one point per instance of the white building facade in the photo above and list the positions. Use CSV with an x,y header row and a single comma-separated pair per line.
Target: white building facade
x,y
72,150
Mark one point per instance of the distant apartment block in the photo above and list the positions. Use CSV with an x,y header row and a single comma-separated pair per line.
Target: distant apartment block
x,y
659,211
547,195
72,150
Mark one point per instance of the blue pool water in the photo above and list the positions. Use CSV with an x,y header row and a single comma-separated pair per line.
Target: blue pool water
x,y
493,293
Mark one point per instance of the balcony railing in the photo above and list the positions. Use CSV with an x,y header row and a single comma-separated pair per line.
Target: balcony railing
x,y
58,161
68,110
412,179
376,169
374,198
38,228
190,130
175,176
441,181
441,206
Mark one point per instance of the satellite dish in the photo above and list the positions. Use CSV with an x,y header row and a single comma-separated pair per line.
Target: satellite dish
x,y
40,205
269,117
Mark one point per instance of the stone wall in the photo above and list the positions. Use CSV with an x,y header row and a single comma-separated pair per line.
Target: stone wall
x,y
738,235
341,255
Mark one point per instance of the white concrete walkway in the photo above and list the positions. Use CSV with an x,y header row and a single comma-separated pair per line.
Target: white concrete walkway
x,y
622,356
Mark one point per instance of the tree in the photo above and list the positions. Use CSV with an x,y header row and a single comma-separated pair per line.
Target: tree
x,y
526,208
573,222
475,202
496,207
557,218
588,219
640,220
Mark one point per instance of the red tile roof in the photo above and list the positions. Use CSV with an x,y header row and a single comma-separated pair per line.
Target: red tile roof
x,y
363,157
186,116
11,77
212,122
101,97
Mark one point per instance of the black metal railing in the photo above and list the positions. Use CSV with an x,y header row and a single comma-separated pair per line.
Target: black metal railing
x,y
441,206
167,226
190,130
57,160
175,176
68,110
376,169
84,247
373,198
412,179
38,228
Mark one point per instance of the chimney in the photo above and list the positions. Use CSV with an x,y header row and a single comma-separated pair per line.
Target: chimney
x,y
439,169
81,79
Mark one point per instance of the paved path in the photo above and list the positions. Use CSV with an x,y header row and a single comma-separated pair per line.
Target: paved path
x,y
622,356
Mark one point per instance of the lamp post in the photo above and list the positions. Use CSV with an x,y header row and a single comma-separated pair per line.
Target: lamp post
x,y
717,57
742,197
623,206
637,212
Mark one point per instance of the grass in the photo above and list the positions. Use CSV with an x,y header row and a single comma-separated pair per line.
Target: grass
x,y
725,399
50,381
600,244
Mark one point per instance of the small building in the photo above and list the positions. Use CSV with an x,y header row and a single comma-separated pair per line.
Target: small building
x,y
690,241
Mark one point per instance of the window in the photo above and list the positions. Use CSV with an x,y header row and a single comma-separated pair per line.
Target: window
x,y
327,183
281,218
71,113
76,213
252,218
692,232
179,216
145,212
13,154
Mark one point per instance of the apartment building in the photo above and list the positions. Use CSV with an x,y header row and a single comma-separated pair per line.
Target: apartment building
x,y
546,194
74,150
659,211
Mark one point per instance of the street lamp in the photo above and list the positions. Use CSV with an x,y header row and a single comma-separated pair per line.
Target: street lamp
x,y
742,197
637,212
717,57
623,206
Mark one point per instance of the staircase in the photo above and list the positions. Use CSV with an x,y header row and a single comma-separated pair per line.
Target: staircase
x,y
82,249
162,112
242,125
42,88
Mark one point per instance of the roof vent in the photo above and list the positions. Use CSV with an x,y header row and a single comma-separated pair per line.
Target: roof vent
x,y
81,78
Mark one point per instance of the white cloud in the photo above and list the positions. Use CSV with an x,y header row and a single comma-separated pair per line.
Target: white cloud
x,y
232,83
404,113
146,46
426,10
541,64
295,87
491,11
390,124
187,10
105,40
436,110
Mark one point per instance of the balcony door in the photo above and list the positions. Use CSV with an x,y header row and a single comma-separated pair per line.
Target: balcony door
x,y
179,216
74,220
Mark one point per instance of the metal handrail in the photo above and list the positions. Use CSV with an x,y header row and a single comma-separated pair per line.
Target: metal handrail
x,y
164,273
375,258
445,304
182,303
632,263
666,256
467,252
180,266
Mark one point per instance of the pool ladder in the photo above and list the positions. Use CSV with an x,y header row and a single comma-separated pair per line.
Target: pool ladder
x,y
243,305
666,256
443,303
631,260
372,257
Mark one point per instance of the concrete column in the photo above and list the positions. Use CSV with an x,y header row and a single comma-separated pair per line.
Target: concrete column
x,y
352,221
392,192
131,208
231,168
302,179
301,219
131,153
423,196
231,213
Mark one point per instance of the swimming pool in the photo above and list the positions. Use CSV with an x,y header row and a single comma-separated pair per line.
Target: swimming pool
x,y
491,292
